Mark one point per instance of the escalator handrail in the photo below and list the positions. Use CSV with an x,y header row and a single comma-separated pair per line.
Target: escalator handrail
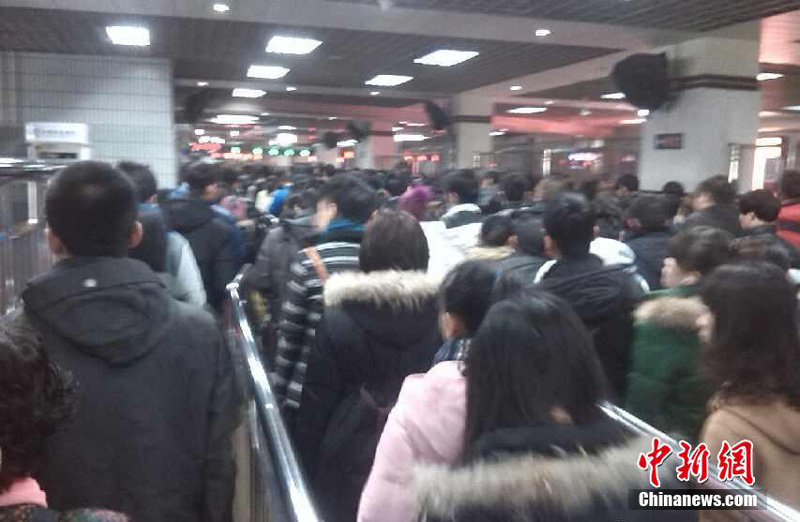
x,y
775,510
300,505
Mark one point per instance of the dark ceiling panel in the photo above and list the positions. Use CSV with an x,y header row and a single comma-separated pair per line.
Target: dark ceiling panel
x,y
687,15
223,50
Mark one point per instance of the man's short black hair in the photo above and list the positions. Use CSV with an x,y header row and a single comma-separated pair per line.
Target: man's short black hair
x,y
763,203
464,184
629,181
700,249
674,188
790,184
142,177
91,208
514,187
569,221
202,175
650,210
530,235
354,198
719,189
496,231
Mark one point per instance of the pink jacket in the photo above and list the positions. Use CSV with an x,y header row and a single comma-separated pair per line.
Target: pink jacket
x,y
426,426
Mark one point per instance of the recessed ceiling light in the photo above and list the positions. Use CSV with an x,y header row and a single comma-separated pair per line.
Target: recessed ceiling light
x,y
202,84
636,121
128,35
389,80
204,139
412,124
374,93
287,127
549,102
769,142
585,112
399,138
527,110
199,132
267,72
221,8
541,33
331,118
248,93
613,96
446,57
497,133
291,89
219,140
793,108
763,77
234,133
234,119
347,143
292,45
397,129
516,87
285,139
643,113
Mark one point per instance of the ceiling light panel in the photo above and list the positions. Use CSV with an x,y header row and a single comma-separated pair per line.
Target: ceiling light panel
x,y
234,119
763,77
267,72
389,80
446,57
221,8
292,45
128,35
528,110
248,93
614,96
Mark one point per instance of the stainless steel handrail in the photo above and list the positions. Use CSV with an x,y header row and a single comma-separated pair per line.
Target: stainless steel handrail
x,y
298,496
775,510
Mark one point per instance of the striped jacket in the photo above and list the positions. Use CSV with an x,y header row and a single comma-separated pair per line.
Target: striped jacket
x,y
302,311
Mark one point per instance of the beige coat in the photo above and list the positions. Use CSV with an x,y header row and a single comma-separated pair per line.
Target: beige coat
x,y
774,429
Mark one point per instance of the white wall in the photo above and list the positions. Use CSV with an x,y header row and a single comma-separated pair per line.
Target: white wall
x,y
127,103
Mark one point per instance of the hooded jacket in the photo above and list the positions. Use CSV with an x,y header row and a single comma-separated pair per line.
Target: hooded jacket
x,y
213,241
774,430
377,329
156,404
665,388
604,298
549,473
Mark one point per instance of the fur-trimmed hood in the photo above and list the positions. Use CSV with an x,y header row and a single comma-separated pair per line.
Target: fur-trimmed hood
x,y
677,313
398,290
573,484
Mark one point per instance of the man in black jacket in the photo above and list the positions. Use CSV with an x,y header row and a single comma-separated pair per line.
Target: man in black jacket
x,y
156,404
758,215
213,237
603,297
648,236
714,205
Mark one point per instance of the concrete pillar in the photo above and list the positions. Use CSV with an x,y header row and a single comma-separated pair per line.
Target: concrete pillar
x,y
378,151
324,155
716,105
471,119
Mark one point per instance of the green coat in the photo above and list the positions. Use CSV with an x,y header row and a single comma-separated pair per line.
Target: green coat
x,y
665,388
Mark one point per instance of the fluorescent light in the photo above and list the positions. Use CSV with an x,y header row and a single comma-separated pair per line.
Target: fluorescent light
x,y
794,108
643,113
265,114
287,128
549,102
292,45
204,139
763,77
585,112
528,110
221,8
769,142
215,139
347,143
248,93
516,87
614,96
267,72
374,93
397,129
497,133
389,80
446,57
541,33
202,84
199,132
331,118
399,138
285,139
234,133
415,124
636,121
234,119
291,89
128,35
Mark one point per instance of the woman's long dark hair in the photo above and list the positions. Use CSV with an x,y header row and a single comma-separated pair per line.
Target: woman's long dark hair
x,y
755,349
531,354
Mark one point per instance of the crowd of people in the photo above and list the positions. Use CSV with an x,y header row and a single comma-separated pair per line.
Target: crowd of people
x,y
440,347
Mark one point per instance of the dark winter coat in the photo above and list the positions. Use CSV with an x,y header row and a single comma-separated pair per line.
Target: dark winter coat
x,y
213,239
523,265
725,217
550,473
377,329
32,513
604,298
665,388
156,405
770,232
651,248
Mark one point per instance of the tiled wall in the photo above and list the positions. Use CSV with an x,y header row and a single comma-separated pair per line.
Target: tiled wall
x,y
127,103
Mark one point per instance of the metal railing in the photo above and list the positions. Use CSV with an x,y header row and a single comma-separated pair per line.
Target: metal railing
x,y
280,490
775,510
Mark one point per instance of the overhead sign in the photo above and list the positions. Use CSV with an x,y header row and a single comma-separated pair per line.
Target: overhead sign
x,y
669,141
51,132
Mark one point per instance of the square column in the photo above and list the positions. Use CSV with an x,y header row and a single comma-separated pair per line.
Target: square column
x,y
716,106
379,150
471,119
